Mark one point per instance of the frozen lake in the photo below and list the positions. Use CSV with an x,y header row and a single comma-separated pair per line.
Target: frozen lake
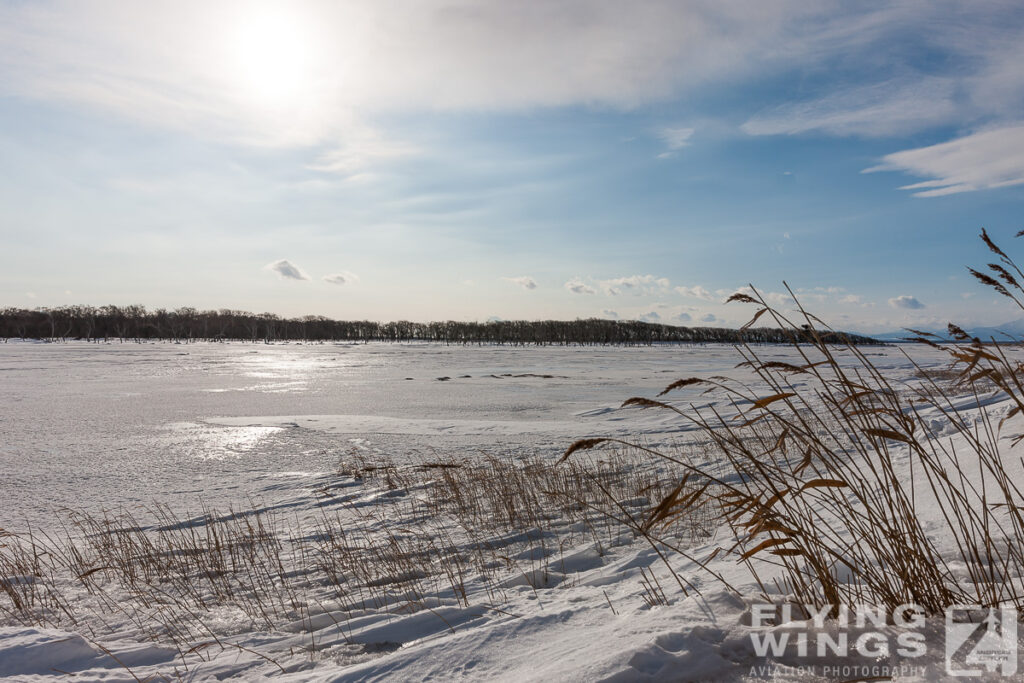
x,y
121,425
394,574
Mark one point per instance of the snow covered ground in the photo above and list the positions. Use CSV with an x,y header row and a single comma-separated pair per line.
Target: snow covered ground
x,y
264,428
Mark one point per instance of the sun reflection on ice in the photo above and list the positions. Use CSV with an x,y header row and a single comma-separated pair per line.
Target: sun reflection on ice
x,y
279,371
215,442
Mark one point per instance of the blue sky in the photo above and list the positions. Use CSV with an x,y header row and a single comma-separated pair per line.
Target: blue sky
x,y
469,160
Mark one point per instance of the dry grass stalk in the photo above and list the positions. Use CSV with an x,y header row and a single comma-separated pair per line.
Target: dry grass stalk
x,y
385,537
811,475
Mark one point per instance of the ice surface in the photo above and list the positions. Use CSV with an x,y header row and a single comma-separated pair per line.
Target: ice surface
x,y
123,425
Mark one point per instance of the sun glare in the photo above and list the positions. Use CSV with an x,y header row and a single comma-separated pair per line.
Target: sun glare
x,y
271,57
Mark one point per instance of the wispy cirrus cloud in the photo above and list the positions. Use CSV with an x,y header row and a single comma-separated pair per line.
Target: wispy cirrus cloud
x,y
337,65
978,87
287,270
675,138
984,160
978,78
884,109
368,56
359,148
333,60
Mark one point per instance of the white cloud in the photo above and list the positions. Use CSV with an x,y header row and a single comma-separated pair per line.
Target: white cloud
x,y
989,159
577,286
906,301
696,292
341,278
638,284
287,270
612,315
651,317
855,299
523,281
784,299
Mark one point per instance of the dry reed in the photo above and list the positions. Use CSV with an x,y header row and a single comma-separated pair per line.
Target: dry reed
x,y
824,471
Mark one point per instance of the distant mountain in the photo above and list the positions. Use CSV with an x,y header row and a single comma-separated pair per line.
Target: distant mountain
x,y
1013,330
1010,331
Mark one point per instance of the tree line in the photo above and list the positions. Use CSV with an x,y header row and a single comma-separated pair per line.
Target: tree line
x,y
136,323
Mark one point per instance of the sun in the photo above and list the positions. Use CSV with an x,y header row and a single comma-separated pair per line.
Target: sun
x,y
270,56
